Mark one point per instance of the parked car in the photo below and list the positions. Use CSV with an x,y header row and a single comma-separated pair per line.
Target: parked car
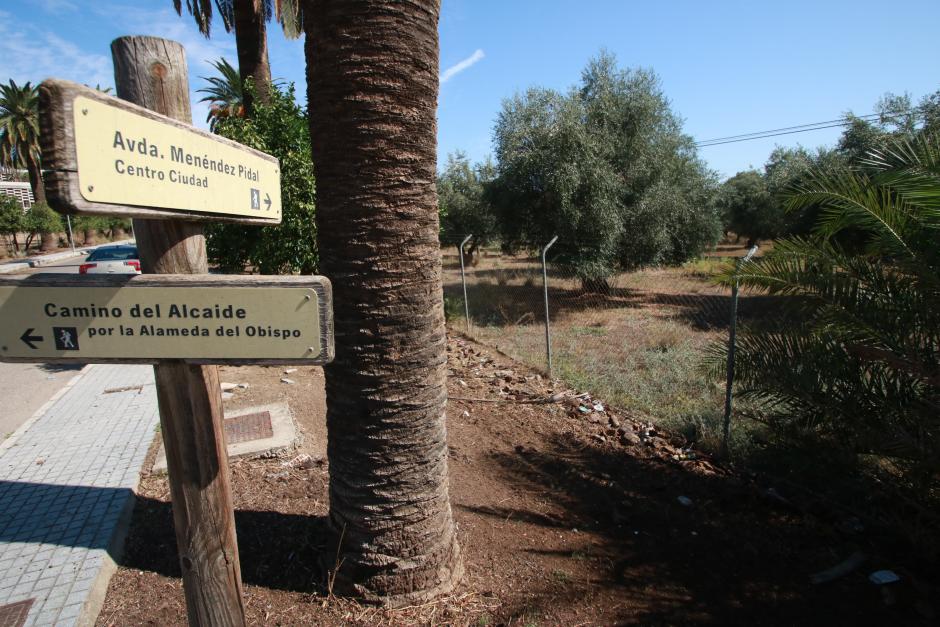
x,y
118,259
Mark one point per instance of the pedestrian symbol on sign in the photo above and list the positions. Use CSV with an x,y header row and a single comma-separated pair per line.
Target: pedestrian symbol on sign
x,y
66,338
255,199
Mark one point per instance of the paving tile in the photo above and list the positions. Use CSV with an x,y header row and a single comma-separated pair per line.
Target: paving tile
x,y
54,514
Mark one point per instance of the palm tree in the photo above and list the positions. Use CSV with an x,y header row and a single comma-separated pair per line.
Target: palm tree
x,y
19,132
224,93
858,364
372,76
19,141
248,19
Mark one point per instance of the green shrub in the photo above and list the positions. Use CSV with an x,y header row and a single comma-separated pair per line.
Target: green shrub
x,y
279,129
857,365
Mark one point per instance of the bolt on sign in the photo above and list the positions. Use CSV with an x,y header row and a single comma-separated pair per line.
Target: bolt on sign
x,y
104,155
150,318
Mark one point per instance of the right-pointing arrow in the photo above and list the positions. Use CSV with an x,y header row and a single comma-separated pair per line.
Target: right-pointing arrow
x,y
267,201
29,339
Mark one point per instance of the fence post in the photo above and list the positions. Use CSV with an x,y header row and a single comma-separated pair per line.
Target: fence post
x,y
726,427
463,279
548,336
68,221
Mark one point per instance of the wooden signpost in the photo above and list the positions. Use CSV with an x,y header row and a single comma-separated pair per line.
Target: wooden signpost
x,y
104,155
60,318
138,156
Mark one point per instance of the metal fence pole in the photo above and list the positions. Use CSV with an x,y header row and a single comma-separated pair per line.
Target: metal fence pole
x,y
726,427
463,279
548,336
68,221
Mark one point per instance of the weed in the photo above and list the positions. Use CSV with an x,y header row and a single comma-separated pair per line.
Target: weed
x,y
453,308
561,576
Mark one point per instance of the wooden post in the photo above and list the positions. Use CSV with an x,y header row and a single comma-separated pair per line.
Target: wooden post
x,y
152,72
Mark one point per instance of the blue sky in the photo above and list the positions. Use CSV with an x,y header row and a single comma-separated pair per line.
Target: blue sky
x,y
727,67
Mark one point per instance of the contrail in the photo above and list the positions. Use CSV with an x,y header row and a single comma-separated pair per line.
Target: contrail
x,y
457,68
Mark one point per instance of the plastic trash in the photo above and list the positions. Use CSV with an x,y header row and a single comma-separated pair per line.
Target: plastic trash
x,y
882,577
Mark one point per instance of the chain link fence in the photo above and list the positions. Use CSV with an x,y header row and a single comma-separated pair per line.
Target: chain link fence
x,y
643,342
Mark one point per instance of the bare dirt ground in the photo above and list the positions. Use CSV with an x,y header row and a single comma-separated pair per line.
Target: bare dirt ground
x,y
569,513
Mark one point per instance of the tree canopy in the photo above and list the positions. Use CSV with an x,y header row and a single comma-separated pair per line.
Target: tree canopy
x,y
607,166
280,129
463,202
224,93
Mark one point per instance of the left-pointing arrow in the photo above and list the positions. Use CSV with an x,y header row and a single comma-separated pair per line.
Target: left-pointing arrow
x,y
29,339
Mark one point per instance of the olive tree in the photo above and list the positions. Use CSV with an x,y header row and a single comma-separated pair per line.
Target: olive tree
x,y
463,203
607,166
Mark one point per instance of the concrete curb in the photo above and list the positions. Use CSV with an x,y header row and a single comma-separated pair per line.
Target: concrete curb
x,y
109,563
45,260
38,261
14,266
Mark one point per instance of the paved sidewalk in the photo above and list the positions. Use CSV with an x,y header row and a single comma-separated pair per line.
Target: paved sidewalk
x,y
67,478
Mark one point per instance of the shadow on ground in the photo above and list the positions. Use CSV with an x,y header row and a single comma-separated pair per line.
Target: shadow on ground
x,y
732,557
492,304
279,551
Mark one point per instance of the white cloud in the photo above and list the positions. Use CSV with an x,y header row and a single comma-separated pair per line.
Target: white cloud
x,y
164,22
200,52
459,67
30,54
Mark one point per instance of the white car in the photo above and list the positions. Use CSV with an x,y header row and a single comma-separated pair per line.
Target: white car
x,y
119,259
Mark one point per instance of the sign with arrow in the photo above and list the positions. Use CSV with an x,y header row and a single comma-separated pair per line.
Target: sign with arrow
x,y
104,155
61,318
29,339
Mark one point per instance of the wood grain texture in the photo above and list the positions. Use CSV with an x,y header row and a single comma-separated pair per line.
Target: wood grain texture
x,y
60,161
152,73
320,285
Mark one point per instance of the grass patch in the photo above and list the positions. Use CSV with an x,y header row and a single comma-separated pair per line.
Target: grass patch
x,y
594,331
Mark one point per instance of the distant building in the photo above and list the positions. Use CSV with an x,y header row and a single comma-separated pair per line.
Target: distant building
x,y
21,191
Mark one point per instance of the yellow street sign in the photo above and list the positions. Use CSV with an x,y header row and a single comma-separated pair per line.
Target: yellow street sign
x,y
109,156
149,318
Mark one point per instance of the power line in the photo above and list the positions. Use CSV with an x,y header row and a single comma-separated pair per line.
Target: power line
x,y
809,127
733,141
789,130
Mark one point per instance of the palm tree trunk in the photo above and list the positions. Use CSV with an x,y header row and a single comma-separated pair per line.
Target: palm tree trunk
x,y
48,241
372,76
35,179
251,42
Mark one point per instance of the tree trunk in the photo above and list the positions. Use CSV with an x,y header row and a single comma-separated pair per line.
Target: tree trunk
x,y
251,41
89,237
48,241
35,179
372,76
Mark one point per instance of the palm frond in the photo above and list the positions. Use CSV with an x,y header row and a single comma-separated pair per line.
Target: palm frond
x,y
850,200
911,167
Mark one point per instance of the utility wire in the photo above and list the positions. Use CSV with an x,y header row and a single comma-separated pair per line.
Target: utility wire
x,y
809,127
733,141
788,130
